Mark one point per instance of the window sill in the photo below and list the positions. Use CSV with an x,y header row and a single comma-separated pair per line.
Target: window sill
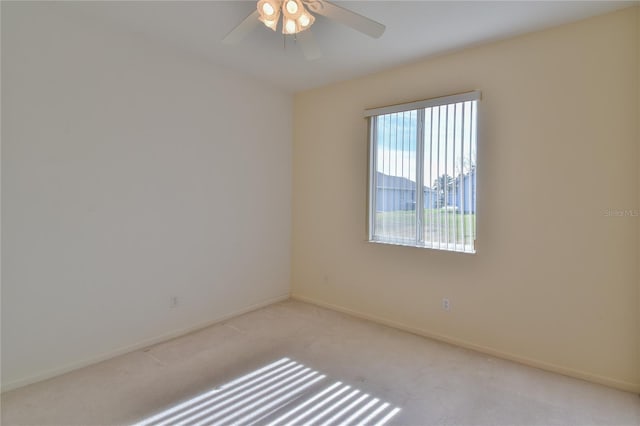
x,y
455,248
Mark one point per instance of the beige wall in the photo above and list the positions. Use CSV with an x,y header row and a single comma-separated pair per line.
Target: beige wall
x,y
129,176
554,282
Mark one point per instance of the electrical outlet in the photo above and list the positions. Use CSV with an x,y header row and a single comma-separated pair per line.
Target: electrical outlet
x,y
446,305
173,302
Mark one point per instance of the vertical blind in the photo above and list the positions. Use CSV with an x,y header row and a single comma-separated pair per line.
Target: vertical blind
x,y
423,166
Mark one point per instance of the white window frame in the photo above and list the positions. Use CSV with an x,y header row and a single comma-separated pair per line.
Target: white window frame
x,y
419,106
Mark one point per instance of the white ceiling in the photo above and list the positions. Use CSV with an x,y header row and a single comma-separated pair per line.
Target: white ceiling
x,y
415,29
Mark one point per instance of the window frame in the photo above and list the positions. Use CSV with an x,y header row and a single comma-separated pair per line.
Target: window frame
x,y
419,106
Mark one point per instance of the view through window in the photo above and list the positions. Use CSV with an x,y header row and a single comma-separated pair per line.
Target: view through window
x,y
423,165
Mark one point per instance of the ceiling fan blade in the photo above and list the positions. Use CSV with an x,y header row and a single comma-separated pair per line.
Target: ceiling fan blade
x,y
243,29
349,18
308,44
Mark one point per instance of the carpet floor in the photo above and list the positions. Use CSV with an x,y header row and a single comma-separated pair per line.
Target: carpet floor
x,y
294,363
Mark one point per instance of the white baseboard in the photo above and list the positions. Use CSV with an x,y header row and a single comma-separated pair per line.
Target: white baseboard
x,y
614,383
607,381
143,344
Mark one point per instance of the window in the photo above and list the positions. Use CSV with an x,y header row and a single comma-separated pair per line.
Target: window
x,y
422,173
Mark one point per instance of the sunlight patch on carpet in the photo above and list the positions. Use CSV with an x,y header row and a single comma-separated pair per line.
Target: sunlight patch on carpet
x,y
284,392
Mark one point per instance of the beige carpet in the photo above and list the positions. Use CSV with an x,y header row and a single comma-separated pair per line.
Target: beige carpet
x,y
293,363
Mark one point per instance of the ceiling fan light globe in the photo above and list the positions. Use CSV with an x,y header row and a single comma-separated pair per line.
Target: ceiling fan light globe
x,y
292,6
268,9
270,24
305,20
269,13
292,9
290,26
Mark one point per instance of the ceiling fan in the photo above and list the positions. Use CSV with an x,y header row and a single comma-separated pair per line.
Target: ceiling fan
x,y
297,18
